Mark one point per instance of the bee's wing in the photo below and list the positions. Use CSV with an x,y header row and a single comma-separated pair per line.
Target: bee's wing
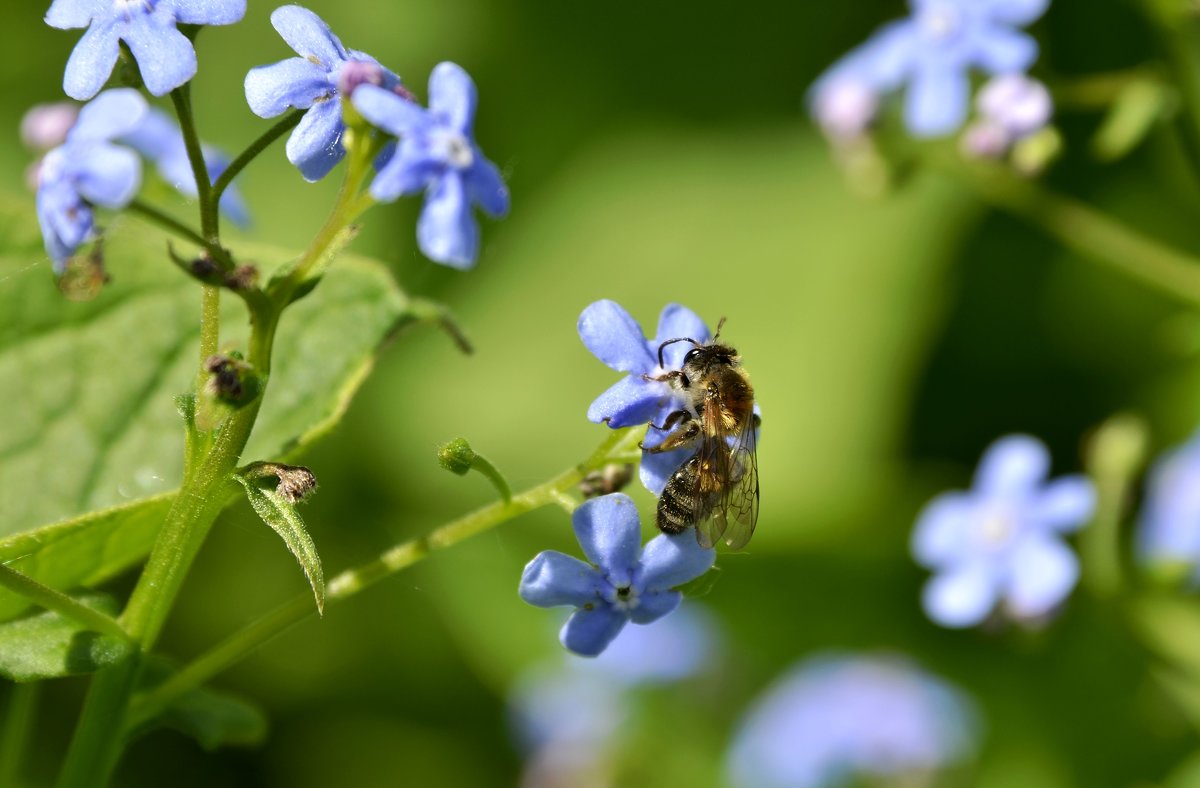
x,y
710,491
740,505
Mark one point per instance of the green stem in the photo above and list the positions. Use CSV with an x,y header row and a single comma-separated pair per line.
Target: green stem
x,y
251,152
173,225
483,465
60,603
210,227
18,729
1115,455
1175,26
206,490
210,322
1090,233
350,582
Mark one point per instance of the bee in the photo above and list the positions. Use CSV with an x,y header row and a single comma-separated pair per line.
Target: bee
x,y
716,489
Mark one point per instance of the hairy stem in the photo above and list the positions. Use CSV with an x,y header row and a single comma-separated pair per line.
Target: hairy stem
x,y
210,228
1094,235
60,603
251,152
350,582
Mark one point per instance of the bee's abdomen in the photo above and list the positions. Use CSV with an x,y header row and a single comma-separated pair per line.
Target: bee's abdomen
x,y
677,504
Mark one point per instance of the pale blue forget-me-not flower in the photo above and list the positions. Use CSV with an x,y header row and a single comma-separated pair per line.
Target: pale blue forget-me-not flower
x,y
931,54
88,169
1001,542
165,56
835,719
436,153
312,82
160,140
1169,528
623,582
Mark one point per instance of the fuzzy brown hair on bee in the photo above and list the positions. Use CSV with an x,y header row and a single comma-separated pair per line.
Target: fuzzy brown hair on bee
x,y
716,488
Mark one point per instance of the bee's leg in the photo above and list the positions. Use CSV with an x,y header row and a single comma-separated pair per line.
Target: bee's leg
x,y
672,419
680,437
674,377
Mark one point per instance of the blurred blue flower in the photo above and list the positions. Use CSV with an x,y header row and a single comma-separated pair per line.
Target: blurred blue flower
x,y
165,56
1169,532
616,338
437,154
312,82
1001,541
88,170
932,52
159,139
834,718
638,655
623,583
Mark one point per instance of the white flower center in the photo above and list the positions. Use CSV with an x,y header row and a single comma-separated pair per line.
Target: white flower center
x,y
455,149
941,22
997,528
126,6
625,598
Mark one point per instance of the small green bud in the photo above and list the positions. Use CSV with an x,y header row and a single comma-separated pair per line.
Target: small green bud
x,y
1118,447
609,479
1033,154
233,381
456,456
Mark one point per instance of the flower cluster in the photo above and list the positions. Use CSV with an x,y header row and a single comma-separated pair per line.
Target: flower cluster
x,y
930,55
1000,543
836,718
435,152
623,582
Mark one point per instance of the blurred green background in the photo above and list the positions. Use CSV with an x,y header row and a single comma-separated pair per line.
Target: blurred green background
x,y
658,153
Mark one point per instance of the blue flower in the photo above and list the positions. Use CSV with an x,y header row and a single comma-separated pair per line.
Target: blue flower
x,y
837,717
165,56
1169,532
312,82
933,52
437,154
616,338
1000,542
159,139
623,583
88,170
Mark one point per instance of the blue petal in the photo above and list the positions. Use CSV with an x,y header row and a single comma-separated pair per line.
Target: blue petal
x,y
670,560
165,56
654,605
156,137
627,402
403,174
615,337
308,35
294,82
553,578
888,58
610,534
112,114
589,631
943,533
206,12
315,146
446,230
677,321
486,188
1012,466
1015,12
67,14
1002,51
1044,571
937,100
962,597
390,112
92,61
1066,503
657,468
452,96
109,175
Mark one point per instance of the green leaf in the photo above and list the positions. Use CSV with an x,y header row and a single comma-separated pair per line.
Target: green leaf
x,y
46,645
214,719
93,442
280,514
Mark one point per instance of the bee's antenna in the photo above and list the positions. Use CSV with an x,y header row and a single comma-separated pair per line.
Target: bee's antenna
x,y
671,342
720,323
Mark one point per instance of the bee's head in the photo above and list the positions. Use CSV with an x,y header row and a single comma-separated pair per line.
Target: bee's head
x,y
704,357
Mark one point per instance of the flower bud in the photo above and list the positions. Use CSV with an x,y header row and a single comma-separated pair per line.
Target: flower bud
x,y
1015,103
45,126
456,456
984,140
358,72
233,380
844,108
